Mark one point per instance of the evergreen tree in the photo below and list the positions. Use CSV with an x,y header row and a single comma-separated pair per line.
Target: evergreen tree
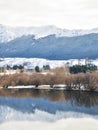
x,y
46,67
37,69
82,68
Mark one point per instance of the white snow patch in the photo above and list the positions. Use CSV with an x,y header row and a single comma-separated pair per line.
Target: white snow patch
x,y
63,124
30,63
8,33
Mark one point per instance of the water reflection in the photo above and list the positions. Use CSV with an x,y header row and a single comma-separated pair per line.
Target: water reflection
x,y
76,98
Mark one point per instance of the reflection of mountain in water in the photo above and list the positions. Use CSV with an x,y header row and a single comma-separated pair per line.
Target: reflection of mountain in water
x,y
49,101
77,98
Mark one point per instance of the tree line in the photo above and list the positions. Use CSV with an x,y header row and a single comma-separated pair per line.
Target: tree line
x,y
87,81
82,68
21,68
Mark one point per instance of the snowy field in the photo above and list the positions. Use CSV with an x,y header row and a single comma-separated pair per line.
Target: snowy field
x,y
32,62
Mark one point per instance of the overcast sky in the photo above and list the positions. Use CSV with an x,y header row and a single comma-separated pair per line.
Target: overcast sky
x,y
70,14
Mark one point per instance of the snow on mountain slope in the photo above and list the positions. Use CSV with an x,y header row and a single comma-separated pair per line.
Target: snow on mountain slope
x,y
32,62
51,47
8,33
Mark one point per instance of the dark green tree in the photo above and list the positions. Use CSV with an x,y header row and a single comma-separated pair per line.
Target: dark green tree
x,y
82,68
37,69
46,67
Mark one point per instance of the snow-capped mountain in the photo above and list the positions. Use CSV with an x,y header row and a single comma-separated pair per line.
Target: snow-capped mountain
x,y
48,42
8,33
52,47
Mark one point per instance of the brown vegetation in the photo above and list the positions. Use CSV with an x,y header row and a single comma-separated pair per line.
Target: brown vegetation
x,y
88,81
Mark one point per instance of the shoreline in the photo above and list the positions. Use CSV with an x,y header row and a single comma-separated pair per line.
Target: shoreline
x,y
47,87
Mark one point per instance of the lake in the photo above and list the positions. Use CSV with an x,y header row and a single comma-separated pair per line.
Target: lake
x,y
37,109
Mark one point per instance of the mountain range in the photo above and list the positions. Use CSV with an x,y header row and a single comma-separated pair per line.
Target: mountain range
x,y
48,42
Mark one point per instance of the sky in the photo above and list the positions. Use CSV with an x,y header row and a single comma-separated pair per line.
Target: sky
x,y
69,14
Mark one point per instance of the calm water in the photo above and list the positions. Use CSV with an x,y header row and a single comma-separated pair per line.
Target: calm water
x,y
47,106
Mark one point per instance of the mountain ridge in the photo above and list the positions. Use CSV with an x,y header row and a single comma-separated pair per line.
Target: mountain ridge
x,y
52,47
8,33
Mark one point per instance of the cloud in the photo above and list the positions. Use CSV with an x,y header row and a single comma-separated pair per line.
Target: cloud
x,y
62,13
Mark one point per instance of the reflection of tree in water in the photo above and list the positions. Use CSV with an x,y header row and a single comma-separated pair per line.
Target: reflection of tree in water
x,y
77,98
56,95
52,95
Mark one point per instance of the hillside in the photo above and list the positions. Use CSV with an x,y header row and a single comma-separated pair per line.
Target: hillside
x,y
52,47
